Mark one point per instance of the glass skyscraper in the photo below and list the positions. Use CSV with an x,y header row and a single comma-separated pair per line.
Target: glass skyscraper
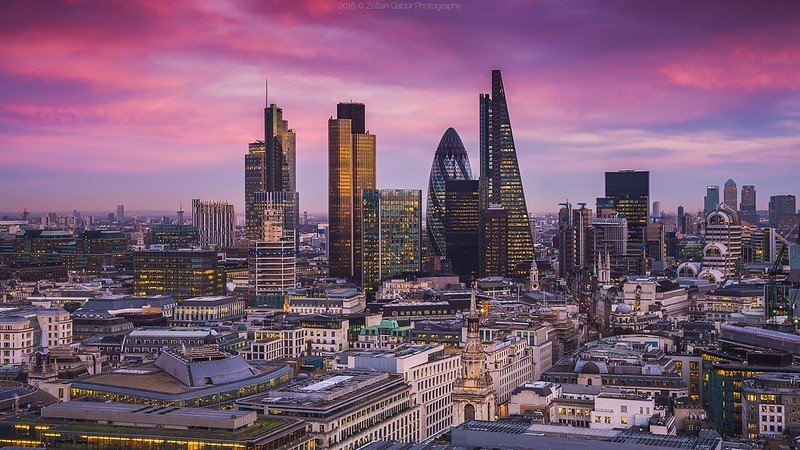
x,y
392,234
449,163
462,227
501,183
628,193
711,200
351,170
269,165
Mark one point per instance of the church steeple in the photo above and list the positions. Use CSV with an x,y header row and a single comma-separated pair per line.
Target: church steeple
x,y
473,393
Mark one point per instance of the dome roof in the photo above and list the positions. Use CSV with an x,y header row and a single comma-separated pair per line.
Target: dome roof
x,y
451,144
590,368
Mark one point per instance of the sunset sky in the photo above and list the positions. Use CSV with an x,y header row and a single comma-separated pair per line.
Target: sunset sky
x,y
153,103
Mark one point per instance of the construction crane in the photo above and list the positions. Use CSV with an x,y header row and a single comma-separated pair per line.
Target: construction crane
x,y
776,291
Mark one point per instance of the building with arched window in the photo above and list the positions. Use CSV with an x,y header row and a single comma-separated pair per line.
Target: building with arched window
x,y
723,249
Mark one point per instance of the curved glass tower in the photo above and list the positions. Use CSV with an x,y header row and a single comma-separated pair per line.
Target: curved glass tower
x,y
449,163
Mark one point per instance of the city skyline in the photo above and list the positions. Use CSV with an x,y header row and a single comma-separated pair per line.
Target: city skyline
x,y
162,108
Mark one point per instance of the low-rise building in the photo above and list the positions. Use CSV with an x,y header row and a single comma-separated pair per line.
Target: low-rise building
x,y
621,411
770,405
111,425
198,311
150,341
387,335
339,300
430,372
345,410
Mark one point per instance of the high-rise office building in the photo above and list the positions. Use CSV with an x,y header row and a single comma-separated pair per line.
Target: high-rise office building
x,y
722,253
462,227
680,219
272,259
730,194
215,222
351,170
658,213
656,247
270,166
780,205
711,200
566,240
493,241
450,162
175,236
747,208
748,198
391,234
177,273
120,213
255,180
288,203
280,151
628,193
501,182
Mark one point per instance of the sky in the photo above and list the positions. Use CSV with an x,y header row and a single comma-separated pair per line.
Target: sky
x,y
151,103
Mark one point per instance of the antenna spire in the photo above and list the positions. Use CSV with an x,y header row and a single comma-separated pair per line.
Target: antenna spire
x,y
266,92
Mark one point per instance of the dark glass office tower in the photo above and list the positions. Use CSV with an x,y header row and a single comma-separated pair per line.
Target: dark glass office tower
x,y
449,163
494,241
501,183
462,227
351,170
781,205
357,115
628,192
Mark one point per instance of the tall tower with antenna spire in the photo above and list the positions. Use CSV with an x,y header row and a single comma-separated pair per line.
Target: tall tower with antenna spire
x,y
473,393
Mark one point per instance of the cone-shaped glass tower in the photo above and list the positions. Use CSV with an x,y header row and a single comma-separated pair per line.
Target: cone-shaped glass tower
x,y
449,163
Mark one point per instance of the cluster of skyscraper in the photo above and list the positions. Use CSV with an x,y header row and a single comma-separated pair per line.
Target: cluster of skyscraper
x,y
480,226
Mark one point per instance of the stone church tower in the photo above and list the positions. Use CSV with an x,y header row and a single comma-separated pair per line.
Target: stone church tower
x,y
473,395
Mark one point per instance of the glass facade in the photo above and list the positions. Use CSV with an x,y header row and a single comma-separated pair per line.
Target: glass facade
x,y
351,169
501,183
175,236
628,193
462,227
392,234
449,163
177,273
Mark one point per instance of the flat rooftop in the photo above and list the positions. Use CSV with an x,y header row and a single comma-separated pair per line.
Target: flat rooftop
x,y
212,300
328,392
145,416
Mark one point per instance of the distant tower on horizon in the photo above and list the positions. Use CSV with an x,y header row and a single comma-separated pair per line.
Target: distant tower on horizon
x,y
748,203
351,170
450,162
120,213
657,211
711,200
628,193
730,194
500,179
747,208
